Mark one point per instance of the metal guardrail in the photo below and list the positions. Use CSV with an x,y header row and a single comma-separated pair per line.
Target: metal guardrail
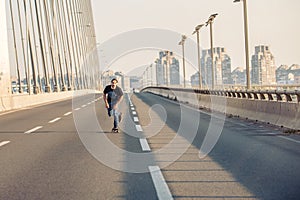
x,y
265,95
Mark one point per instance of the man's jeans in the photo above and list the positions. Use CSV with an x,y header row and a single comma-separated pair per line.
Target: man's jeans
x,y
115,113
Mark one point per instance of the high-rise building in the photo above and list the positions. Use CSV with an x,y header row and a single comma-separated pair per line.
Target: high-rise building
x,y
222,66
282,74
295,70
174,72
167,69
238,76
288,75
160,72
195,80
263,66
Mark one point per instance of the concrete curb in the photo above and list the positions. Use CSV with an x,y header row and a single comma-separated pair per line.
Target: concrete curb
x,y
18,101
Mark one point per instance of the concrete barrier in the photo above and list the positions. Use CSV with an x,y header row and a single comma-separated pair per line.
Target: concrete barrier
x,y
279,113
24,100
268,111
234,106
289,115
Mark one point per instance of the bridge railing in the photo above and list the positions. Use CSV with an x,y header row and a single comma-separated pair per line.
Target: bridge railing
x,y
281,108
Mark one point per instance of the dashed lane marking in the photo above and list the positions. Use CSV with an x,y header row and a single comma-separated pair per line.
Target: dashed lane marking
x,y
54,120
34,129
160,184
135,119
4,143
68,113
138,128
145,145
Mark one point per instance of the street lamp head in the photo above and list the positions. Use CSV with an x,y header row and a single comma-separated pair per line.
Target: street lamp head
x,y
197,28
211,18
183,38
213,15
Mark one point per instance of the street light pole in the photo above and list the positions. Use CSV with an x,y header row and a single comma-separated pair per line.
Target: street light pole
x,y
246,41
183,59
151,76
210,22
197,29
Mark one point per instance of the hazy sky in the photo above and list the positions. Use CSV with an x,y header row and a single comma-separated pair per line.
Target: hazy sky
x,y
270,22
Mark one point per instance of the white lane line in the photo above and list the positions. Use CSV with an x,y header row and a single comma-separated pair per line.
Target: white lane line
x,y
135,119
68,113
138,128
145,145
34,129
4,143
133,112
83,106
283,137
54,120
160,184
290,139
77,109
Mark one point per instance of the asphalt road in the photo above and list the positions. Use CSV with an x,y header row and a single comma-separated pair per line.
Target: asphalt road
x,y
65,150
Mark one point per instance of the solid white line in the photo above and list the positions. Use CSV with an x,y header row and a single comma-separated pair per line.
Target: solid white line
x,y
145,145
138,128
135,119
283,137
68,113
160,184
133,112
290,139
34,129
54,120
4,143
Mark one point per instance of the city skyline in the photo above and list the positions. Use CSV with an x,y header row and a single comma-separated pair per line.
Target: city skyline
x,y
181,17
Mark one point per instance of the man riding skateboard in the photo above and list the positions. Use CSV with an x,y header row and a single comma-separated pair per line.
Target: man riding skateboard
x,y
112,96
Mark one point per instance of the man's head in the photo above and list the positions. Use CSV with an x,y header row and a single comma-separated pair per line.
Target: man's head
x,y
114,83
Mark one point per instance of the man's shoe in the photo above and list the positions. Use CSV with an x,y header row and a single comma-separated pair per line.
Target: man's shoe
x,y
115,130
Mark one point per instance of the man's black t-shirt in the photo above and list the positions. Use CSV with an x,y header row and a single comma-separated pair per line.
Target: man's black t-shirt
x,y
113,95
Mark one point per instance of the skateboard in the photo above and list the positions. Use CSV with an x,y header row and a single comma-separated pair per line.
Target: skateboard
x,y
115,130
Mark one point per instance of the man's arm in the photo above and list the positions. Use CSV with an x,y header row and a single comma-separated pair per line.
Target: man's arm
x,y
105,100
